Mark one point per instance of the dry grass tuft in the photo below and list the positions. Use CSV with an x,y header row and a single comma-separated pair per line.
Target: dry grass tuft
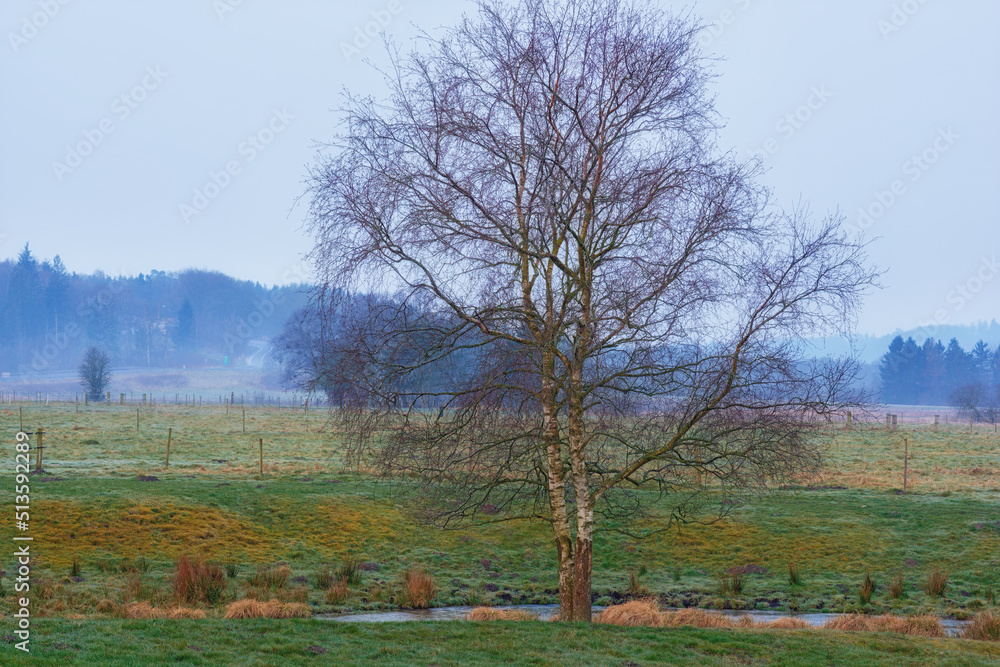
x,y
984,626
633,613
867,590
186,612
270,609
274,577
418,589
896,588
918,626
786,623
937,581
697,618
491,614
337,592
140,610
197,581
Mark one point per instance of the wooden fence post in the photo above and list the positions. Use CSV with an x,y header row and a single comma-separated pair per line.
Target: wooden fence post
x,y
38,449
244,420
137,420
906,461
170,432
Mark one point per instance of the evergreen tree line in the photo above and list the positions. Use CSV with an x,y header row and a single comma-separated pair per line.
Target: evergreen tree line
x,y
49,316
932,374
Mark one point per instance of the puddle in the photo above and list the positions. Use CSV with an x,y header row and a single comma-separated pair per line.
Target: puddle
x,y
546,611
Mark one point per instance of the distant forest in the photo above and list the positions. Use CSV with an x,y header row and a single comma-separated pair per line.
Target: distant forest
x,y
932,374
197,318
49,316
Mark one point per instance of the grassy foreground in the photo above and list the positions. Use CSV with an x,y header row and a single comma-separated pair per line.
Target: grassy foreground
x,y
313,642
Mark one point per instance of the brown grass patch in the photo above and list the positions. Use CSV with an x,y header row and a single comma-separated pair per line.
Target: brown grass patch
x,y
633,613
140,610
197,581
418,589
491,614
786,623
984,626
918,626
696,618
270,609
337,592
186,612
937,582
272,577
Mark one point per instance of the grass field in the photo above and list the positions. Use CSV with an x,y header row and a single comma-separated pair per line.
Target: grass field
x,y
308,513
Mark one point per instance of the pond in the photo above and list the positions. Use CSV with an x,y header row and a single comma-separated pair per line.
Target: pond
x,y
546,611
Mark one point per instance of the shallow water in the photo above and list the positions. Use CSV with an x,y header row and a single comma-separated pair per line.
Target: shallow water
x,y
547,611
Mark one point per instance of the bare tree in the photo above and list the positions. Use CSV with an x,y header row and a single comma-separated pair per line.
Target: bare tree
x,y
95,372
977,402
584,302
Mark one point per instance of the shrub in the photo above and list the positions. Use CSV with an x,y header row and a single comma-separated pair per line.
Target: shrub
x,y
632,613
736,582
197,581
937,581
794,578
349,571
491,614
896,587
867,590
325,578
677,574
733,582
337,592
418,589
270,577
271,609
231,570
635,587
984,626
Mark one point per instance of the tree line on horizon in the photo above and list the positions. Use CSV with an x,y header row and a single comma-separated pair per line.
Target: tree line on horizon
x,y
50,316
934,374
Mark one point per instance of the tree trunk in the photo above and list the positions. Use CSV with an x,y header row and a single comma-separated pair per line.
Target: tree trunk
x,y
560,519
581,579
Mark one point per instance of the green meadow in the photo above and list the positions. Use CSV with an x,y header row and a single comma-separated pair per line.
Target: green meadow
x,y
110,521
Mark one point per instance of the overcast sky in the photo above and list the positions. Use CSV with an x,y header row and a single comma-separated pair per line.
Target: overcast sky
x,y
166,134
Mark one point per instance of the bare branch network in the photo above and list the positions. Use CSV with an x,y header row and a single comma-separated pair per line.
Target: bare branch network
x,y
545,291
